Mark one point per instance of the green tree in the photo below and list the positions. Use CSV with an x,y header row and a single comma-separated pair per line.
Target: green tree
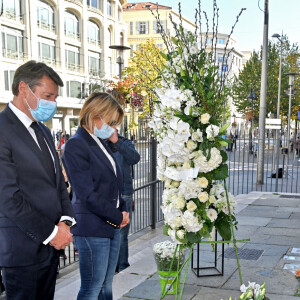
x,y
144,69
250,77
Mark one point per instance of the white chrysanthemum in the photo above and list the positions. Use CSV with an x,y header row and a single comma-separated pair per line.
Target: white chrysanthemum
x,y
212,214
212,131
203,182
190,222
205,118
203,197
191,206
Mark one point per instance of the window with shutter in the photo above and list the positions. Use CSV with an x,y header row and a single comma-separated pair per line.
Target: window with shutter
x,y
143,27
154,26
131,28
137,27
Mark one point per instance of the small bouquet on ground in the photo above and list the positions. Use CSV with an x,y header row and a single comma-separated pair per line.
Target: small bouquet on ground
x,y
253,291
168,265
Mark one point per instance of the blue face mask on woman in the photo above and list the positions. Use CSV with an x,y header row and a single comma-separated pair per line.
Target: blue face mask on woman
x,y
45,109
104,132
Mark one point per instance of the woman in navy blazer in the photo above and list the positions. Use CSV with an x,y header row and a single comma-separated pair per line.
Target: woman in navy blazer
x,y
96,181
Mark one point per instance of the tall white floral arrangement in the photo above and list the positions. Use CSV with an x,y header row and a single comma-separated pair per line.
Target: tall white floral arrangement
x,y
186,123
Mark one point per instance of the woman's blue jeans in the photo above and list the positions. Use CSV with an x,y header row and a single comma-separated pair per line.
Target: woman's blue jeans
x,y
98,259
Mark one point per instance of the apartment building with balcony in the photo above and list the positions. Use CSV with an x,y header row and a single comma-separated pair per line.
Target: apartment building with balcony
x,y
73,37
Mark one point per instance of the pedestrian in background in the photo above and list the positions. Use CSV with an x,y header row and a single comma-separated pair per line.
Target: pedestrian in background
x,y
126,156
297,146
35,210
96,181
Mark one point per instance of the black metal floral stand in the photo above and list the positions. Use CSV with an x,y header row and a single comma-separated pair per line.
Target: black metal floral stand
x,y
215,268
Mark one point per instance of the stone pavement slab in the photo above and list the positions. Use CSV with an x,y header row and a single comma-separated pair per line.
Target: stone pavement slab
x,y
274,201
249,220
264,211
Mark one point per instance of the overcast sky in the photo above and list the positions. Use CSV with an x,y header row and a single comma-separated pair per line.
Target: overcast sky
x,y
284,15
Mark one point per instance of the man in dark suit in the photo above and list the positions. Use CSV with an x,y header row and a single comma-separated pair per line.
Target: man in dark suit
x,y
35,210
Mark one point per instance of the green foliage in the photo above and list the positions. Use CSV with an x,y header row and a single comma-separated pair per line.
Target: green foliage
x,y
222,225
194,237
250,77
221,172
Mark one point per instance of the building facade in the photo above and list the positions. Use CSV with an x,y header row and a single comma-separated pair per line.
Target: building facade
x,y
71,36
142,25
234,64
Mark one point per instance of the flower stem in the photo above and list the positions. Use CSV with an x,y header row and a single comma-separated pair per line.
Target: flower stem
x,y
164,291
186,272
177,275
233,234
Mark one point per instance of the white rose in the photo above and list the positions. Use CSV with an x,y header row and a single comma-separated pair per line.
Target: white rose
x,y
212,199
203,197
180,234
212,214
205,118
191,145
203,182
191,206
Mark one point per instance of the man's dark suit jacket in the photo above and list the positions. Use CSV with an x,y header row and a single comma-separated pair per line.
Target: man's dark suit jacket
x,y
31,203
96,188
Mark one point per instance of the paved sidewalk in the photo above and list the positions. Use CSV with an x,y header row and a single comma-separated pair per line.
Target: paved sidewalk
x,y
272,223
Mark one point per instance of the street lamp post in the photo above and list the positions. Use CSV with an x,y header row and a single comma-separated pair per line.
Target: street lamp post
x,y
276,154
252,96
291,83
120,61
276,35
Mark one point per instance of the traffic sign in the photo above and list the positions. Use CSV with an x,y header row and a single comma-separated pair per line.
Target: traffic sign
x,y
273,123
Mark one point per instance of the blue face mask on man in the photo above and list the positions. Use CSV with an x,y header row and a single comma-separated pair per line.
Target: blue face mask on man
x,y
104,132
45,110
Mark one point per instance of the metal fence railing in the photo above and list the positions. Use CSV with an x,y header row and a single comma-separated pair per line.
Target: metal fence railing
x,y
281,168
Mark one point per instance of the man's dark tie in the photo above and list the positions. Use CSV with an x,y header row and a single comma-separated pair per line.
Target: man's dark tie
x,y
47,158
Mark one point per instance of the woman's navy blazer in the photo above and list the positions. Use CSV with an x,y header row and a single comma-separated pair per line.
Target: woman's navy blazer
x,y
96,188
